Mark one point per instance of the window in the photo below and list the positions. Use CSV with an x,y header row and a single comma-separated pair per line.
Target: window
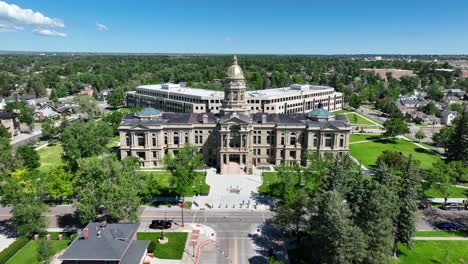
x,y
341,141
165,138
141,139
315,140
128,139
292,139
282,153
186,137
141,155
282,138
154,141
293,154
176,138
154,154
328,140
234,136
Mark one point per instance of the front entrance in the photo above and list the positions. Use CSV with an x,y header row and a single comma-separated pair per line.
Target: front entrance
x,y
234,165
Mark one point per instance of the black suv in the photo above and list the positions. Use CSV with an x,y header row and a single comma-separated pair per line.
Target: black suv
x,y
160,224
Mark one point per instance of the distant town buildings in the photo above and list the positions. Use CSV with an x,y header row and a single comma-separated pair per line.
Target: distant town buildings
x,y
396,73
10,122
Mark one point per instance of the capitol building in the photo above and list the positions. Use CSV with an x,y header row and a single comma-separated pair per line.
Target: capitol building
x,y
237,129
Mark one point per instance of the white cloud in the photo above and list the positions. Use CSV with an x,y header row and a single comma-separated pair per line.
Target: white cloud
x,y
19,16
227,39
9,28
49,33
101,27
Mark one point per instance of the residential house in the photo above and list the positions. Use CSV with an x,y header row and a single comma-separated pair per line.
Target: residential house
x,y
448,116
45,111
87,90
102,243
10,122
104,94
419,117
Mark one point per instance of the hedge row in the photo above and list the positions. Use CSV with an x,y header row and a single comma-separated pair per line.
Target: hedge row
x,y
8,252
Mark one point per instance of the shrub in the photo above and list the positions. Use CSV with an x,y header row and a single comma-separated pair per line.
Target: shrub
x,y
151,246
8,252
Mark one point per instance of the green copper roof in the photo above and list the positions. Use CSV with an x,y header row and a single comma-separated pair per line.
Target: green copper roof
x,y
320,112
149,112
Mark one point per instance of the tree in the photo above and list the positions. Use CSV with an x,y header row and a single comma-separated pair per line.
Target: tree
x,y
442,177
109,185
442,138
59,182
456,107
354,101
45,251
337,176
24,190
6,157
392,159
49,129
336,237
405,220
83,140
420,135
291,213
113,118
394,127
116,98
183,165
457,148
4,132
87,105
26,114
434,92
430,108
28,157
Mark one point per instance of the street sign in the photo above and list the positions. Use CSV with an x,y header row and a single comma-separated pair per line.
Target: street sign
x,y
182,205
193,243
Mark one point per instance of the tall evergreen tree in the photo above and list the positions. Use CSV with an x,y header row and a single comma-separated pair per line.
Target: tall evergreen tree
x,y
458,145
405,220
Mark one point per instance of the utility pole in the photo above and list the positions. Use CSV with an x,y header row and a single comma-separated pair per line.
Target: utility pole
x,y
182,207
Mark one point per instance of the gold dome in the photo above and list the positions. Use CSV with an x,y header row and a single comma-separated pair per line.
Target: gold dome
x,y
235,71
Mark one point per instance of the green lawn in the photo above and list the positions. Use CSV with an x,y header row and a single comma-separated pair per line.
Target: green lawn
x,y
362,137
174,249
368,152
441,234
50,157
166,183
271,183
456,193
358,120
28,254
443,252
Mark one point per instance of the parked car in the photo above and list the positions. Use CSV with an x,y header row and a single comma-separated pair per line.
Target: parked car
x,y
452,206
423,205
160,224
448,226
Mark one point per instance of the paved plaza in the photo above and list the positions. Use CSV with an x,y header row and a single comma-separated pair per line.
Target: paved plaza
x,y
231,191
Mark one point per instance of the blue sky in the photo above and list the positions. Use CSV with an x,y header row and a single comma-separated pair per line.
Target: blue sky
x,y
236,26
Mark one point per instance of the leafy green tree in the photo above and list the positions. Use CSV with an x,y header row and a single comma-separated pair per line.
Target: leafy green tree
x,y
6,84
183,165
4,132
59,182
457,148
49,129
393,159
116,98
108,184
337,177
404,225
442,177
6,156
354,101
456,107
28,157
430,108
83,140
24,190
420,135
442,138
113,118
291,213
26,114
45,251
87,105
394,127
434,92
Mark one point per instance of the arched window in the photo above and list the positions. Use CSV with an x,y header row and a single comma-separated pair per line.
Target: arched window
x,y
165,138
176,138
234,137
292,139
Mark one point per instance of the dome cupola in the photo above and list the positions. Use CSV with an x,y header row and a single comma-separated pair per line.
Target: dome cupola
x,y
235,71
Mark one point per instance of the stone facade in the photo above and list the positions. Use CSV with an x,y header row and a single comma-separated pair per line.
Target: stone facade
x,y
235,140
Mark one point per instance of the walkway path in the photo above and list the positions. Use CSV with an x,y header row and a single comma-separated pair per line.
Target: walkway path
x,y
364,117
42,146
441,238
